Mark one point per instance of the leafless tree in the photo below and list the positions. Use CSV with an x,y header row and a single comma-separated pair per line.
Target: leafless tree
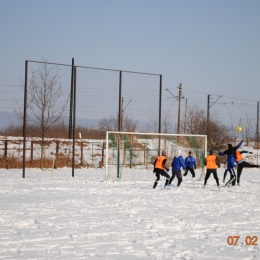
x,y
248,126
167,122
46,100
153,124
111,123
196,123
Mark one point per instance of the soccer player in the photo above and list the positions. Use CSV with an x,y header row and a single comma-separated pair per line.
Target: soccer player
x,y
241,163
177,163
231,161
161,169
191,164
212,163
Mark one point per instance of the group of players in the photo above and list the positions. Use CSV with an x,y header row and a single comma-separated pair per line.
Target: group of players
x,y
234,159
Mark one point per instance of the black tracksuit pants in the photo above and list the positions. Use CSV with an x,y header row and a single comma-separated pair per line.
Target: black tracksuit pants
x,y
191,171
240,167
209,171
179,176
159,172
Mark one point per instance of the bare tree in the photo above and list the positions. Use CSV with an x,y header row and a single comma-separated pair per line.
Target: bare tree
x,y
248,124
111,123
196,123
167,121
153,124
46,102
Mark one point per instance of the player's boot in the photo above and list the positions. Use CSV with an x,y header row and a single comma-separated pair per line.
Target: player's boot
x,y
167,187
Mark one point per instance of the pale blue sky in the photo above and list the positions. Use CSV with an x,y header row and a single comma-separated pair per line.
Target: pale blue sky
x,y
211,47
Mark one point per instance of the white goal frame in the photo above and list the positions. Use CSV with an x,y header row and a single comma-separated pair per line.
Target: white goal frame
x,y
202,175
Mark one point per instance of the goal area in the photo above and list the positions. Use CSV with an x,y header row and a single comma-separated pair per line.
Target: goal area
x,y
130,155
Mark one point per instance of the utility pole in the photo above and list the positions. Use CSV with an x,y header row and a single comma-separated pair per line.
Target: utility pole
x,y
257,125
209,106
179,98
179,112
185,115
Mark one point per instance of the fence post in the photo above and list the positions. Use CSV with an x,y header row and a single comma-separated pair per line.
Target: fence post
x,y
57,148
5,155
31,151
81,154
102,158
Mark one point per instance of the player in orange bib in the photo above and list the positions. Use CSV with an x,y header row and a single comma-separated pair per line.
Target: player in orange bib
x,y
212,163
161,169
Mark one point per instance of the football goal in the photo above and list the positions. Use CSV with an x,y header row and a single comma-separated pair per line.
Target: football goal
x,y
130,155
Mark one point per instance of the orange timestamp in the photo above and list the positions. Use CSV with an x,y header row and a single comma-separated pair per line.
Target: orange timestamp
x,y
249,240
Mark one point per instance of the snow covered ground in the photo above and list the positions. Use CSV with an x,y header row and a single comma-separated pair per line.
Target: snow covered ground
x,y
85,218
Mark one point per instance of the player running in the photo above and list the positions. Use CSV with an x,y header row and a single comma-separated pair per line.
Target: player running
x,y
160,169
177,163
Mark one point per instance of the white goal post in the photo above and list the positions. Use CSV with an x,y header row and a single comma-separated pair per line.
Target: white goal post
x,y
130,155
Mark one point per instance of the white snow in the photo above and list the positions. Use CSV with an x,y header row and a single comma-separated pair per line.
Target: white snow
x,y
85,218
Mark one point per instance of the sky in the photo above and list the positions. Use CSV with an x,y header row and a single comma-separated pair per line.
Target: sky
x,y
210,47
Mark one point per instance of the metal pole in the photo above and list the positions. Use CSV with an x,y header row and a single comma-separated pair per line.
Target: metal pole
x,y
71,98
185,116
179,112
257,129
122,114
160,114
74,121
24,115
257,125
208,107
160,105
119,122
120,101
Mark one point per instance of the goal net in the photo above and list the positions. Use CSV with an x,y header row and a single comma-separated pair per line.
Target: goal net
x,y
131,155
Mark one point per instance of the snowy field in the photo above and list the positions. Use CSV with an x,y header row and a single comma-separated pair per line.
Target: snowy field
x,y
84,218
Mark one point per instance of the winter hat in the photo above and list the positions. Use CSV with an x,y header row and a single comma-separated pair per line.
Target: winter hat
x,y
229,145
210,151
178,153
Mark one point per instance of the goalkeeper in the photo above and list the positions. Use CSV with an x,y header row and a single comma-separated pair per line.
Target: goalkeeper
x,y
161,169
231,161
191,164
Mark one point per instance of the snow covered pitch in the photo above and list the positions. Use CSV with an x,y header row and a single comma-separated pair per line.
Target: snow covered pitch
x,y
85,218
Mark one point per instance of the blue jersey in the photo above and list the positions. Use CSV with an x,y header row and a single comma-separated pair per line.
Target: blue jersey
x,y
177,163
190,162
